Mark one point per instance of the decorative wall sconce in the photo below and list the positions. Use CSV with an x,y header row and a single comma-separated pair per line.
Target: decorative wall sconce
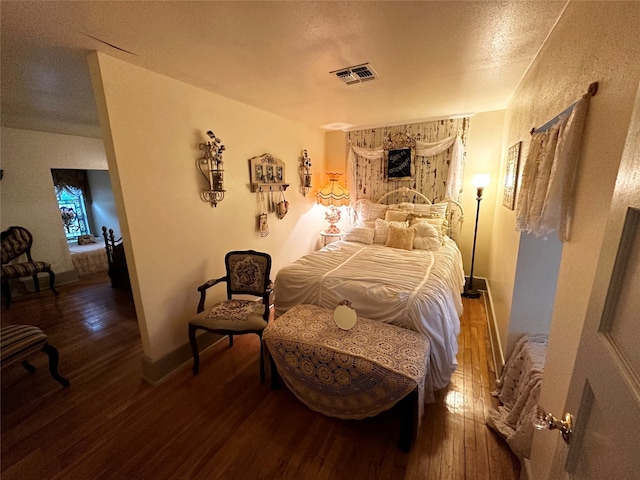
x,y
305,173
266,174
211,166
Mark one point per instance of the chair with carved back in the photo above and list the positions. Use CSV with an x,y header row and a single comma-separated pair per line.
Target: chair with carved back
x,y
247,273
16,242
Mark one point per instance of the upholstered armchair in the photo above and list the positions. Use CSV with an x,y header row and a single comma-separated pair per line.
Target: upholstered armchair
x,y
247,274
17,241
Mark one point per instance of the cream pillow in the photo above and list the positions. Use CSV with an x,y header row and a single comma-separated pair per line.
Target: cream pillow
x,y
439,223
382,230
426,237
360,235
400,237
393,215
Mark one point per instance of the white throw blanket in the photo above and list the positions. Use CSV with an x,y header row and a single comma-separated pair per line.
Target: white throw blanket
x,y
518,389
415,289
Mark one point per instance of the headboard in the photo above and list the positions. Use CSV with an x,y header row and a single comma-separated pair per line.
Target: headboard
x,y
455,212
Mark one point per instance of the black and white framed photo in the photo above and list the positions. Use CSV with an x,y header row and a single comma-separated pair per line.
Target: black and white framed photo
x,y
511,176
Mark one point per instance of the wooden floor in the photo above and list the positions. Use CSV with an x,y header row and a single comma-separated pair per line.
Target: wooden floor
x,y
223,423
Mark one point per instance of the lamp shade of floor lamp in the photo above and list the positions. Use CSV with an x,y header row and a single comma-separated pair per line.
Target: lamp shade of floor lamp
x,y
480,181
333,195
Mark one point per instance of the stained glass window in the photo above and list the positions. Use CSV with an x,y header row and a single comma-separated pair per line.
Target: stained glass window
x,y
73,213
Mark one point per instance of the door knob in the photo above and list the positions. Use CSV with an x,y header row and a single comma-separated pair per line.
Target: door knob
x,y
544,421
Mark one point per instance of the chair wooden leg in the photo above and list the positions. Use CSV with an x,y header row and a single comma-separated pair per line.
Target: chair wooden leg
x,y
231,340
52,281
261,360
275,380
194,348
53,364
6,291
28,367
36,282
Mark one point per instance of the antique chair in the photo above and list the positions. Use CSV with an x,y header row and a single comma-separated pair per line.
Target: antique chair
x,y
247,274
17,241
19,342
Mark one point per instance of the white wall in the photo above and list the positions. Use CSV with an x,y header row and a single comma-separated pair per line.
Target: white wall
x,y
173,240
27,194
103,206
593,41
484,151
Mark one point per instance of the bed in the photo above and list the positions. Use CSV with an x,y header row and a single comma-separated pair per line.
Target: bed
x,y
89,259
414,288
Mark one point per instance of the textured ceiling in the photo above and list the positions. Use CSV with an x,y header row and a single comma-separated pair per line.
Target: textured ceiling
x,y
434,59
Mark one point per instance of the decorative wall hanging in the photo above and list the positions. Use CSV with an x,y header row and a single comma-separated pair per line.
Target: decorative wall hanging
x,y
399,153
511,176
548,176
305,173
267,174
437,162
211,166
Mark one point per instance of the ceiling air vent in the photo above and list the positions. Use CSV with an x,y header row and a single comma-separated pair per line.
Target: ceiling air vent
x,y
356,74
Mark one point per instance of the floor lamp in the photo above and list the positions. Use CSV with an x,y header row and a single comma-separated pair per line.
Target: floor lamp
x,y
479,181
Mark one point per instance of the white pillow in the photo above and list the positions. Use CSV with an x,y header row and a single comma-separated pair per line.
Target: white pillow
x,y
360,235
422,209
382,230
439,223
368,210
440,209
426,237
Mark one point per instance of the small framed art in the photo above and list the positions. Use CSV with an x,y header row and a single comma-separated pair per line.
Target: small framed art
x,y
511,176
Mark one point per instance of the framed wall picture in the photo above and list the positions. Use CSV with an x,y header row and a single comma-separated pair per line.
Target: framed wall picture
x,y
399,153
511,176
399,163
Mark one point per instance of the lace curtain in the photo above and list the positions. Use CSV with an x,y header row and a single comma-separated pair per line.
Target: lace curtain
x,y
425,149
546,193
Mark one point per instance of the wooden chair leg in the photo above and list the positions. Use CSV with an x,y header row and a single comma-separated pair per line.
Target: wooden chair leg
x,y
53,364
28,367
231,340
6,291
36,282
52,281
261,360
194,348
275,378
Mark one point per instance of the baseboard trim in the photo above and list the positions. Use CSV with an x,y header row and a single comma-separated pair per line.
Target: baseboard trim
x,y
494,338
157,371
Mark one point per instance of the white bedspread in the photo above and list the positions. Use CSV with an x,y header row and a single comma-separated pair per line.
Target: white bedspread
x,y
89,259
415,289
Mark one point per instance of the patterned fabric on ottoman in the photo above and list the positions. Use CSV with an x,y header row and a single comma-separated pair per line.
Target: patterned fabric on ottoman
x,y
352,374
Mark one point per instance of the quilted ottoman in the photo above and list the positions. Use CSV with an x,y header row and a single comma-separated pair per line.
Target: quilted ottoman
x,y
349,374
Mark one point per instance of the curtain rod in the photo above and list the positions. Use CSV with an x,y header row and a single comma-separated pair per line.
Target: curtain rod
x,y
591,91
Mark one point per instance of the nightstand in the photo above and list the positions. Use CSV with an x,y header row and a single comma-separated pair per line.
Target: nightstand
x,y
330,237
